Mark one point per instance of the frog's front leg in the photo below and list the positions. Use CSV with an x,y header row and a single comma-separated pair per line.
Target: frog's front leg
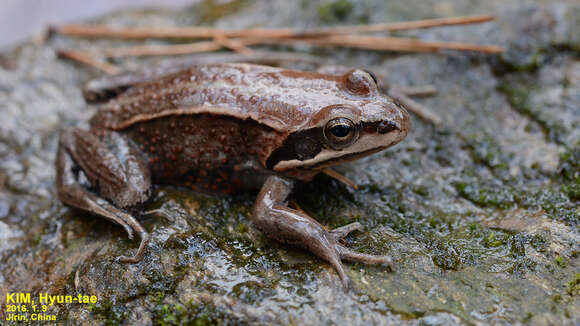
x,y
273,216
114,169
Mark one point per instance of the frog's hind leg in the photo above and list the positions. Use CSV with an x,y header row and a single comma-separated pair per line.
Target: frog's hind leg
x,y
278,221
120,183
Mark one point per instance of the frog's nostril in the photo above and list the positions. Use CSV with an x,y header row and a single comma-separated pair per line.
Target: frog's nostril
x,y
387,126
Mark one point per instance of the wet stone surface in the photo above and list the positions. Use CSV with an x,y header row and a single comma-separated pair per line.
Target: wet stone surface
x,y
480,214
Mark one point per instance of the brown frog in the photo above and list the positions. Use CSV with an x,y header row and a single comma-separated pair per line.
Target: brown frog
x,y
228,128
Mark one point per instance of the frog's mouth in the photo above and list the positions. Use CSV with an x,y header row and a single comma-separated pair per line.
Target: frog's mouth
x,y
346,158
320,165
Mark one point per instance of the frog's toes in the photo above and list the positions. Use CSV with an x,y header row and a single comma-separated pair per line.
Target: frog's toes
x,y
145,237
129,260
159,212
343,231
353,256
336,262
129,231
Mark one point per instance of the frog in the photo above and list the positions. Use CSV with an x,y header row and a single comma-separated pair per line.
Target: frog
x,y
229,128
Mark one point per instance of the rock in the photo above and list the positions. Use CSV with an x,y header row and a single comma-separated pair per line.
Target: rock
x,y
481,214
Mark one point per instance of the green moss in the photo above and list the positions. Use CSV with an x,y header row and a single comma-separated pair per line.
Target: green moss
x,y
530,65
539,242
446,257
492,240
485,150
522,265
518,95
517,244
573,287
157,296
108,313
473,226
243,228
486,195
336,11
251,291
563,211
527,318
421,190
569,167
553,201
210,10
561,262
569,170
166,315
192,314
572,190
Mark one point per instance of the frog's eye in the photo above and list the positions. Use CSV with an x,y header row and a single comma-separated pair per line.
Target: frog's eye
x,y
340,132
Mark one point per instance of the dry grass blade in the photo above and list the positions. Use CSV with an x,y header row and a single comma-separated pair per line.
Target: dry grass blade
x,y
399,26
88,59
361,42
426,90
339,177
174,49
209,32
179,49
232,44
415,107
379,43
94,31
239,40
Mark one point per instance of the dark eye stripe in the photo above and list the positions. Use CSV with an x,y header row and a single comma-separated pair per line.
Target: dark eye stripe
x,y
380,127
301,146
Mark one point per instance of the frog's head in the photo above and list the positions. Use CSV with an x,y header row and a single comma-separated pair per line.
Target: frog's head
x,y
362,122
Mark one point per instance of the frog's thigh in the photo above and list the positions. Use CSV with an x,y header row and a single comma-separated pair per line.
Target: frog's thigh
x,y
111,164
81,150
273,217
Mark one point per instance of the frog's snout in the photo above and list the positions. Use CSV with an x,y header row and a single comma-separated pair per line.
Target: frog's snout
x,y
387,123
403,121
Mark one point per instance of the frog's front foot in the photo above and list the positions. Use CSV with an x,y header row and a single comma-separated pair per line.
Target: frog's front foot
x,y
278,221
145,237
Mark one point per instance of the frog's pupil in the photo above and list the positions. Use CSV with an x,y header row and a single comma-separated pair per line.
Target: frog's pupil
x,y
340,131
